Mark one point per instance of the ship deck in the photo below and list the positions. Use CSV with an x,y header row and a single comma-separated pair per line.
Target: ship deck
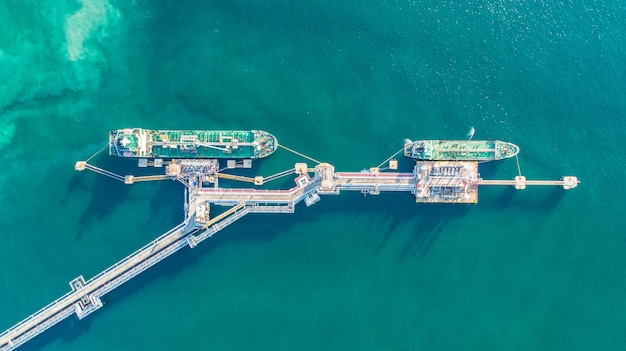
x,y
460,150
171,144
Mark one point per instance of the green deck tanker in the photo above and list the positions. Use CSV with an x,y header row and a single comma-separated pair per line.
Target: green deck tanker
x,y
459,150
170,144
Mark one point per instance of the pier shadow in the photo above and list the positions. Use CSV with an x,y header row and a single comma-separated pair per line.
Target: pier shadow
x,y
530,199
392,209
67,330
431,222
533,198
428,220
395,209
167,204
75,183
106,193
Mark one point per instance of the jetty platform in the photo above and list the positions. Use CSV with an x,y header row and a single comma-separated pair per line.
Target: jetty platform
x,y
445,182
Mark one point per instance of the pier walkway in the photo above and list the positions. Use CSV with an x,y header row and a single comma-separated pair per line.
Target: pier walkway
x,y
520,182
445,182
85,296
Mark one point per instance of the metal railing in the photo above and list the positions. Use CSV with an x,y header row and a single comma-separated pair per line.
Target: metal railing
x,y
66,302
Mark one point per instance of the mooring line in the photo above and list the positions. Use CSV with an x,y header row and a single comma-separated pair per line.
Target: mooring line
x,y
390,157
299,154
97,152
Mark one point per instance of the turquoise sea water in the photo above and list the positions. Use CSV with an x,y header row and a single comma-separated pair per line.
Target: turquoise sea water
x,y
344,82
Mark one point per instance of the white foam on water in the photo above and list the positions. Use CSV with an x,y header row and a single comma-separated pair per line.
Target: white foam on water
x,y
90,19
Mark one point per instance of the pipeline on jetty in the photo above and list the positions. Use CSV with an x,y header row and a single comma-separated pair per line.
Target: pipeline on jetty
x,y
429,182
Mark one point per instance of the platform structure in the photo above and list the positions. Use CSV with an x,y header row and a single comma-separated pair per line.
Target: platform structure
x,y
520,182
429,182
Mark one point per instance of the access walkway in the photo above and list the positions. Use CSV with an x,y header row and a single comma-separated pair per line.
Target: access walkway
x,y
443,179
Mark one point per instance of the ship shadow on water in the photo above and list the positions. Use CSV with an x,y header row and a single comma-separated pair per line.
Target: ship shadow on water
x,y
428,221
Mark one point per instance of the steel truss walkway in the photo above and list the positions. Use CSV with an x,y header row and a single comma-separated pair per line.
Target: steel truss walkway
x,y
84,298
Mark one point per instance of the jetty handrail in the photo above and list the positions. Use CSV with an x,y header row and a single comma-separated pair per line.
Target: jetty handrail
x,y
188,233
103,172
210,231
140,267
385,175
40,311
38,329
279,174
137,252
98,276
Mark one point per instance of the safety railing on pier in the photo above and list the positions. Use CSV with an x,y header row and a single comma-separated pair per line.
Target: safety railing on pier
x,y
279,175
375,187
138,267
10,344
103,172
244,201
150,246
237,214
135,179
5,336
65,303
273,209
144,265
235,177
513,182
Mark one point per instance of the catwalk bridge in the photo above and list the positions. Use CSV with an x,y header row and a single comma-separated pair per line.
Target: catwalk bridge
x,y
429,182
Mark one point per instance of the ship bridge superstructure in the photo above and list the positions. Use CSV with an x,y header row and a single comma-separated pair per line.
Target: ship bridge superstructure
x,y
174,144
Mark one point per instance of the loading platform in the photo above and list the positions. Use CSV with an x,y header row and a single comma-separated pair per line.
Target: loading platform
x,y
429,181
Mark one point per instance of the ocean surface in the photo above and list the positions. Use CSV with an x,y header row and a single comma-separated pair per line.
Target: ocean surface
x,y
344,82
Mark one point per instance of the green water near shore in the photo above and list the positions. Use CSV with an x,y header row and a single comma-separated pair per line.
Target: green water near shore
x,y
345,83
